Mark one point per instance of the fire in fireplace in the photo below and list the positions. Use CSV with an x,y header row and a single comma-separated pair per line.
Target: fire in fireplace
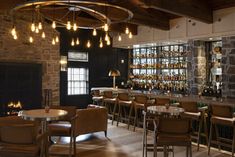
x,y
13,107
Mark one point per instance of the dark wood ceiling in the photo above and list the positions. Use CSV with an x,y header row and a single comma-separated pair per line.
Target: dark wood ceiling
x,y
156,13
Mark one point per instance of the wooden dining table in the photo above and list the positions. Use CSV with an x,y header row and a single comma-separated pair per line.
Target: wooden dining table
x,y
43,115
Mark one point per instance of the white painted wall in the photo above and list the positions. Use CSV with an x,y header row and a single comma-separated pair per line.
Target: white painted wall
x,y
184,29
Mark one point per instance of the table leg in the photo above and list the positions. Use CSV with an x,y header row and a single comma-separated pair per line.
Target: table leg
x,y
43,152
144,137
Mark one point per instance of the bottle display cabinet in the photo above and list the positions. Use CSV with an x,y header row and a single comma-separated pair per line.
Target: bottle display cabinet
x,y
214,84
159,67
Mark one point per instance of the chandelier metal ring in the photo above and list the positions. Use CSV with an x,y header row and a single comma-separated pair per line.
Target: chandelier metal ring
x,y
82,5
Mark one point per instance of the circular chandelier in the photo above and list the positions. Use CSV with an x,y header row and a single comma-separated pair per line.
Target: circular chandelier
x,y
73,14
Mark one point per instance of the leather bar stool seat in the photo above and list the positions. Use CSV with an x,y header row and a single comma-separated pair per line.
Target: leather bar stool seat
x,y
222,115
139,104
110,102
125,108
192,112
162,101
97,98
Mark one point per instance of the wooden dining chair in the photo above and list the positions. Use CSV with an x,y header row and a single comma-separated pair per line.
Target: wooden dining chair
x,y
173,132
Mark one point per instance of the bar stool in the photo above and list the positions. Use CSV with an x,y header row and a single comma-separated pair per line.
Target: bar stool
x,y
162,101
222,115
125,108
192,112
139,103
110,102
96,97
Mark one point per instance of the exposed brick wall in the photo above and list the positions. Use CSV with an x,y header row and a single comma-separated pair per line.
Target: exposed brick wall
x,y
228,67
196,66
41,51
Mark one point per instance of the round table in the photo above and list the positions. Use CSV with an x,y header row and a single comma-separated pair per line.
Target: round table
x,y
172,110
44,117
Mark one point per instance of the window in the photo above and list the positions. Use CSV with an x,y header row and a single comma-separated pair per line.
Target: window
x,y
78,81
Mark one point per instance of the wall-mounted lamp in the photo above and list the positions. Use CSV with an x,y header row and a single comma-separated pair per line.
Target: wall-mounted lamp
x,y
63,63
114,73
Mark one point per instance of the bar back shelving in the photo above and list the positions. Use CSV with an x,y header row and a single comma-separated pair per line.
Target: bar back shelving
x,y
159,67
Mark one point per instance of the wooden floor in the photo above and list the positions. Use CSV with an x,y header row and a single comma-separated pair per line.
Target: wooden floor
x,y
120,143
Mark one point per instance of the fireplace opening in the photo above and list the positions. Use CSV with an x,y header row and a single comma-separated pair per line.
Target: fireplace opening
x,y
13,108
20,87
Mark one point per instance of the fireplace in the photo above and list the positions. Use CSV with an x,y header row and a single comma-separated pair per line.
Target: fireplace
x,y
20,83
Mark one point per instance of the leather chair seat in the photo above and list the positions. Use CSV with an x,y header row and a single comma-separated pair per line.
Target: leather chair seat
x,y
110,100
122,102
223,120
139,105
192,115
165,139
59,129
24,150
97,98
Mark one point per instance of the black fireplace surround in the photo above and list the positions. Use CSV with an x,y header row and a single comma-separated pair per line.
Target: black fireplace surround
x,y
20,82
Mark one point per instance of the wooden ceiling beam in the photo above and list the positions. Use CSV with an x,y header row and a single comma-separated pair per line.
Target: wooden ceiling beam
x,y
195,9
151,22
7,5
141,15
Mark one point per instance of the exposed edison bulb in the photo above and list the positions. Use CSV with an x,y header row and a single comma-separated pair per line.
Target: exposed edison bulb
x,y
106,38
31,39
119,37
127,30
72,42
15,37
106,27
108,42
130,35
77,42
57,39
75,27
13,31
53,41
43,35
68,26
33,27
53,25
88,45
101,43
94,33
36,30
40,25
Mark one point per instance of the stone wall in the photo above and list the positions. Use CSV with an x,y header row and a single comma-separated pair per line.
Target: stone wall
x,y
196,66
228,67
41,51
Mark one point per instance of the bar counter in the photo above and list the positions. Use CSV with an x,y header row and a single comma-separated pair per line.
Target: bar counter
x,y
174,97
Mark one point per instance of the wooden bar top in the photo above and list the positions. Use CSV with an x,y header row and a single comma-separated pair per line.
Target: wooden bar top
x,y
176,97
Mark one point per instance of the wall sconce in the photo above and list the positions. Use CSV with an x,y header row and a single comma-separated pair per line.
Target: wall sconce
x,y
63,63
114,73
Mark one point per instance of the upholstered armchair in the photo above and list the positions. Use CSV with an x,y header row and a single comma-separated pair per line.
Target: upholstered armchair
x,y
64,126
90,120
20,138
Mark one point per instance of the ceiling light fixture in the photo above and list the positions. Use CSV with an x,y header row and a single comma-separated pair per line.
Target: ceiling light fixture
x,y
77,41
88,45
66,13
119,37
